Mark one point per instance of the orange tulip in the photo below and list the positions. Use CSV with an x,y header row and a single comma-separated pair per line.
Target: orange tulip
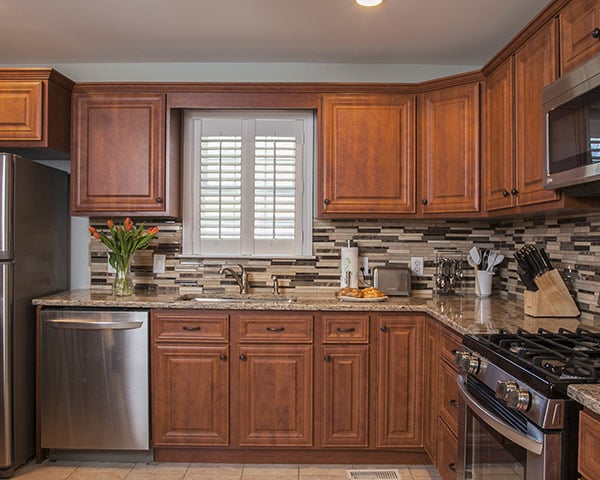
x,y
128,224
110,223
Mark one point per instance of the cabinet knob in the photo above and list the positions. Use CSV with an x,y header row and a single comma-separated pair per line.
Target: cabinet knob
x,y
454,403
514,191
596,33
383,328
452,466
326,201
159,199
223,357
191,329
327,358
424,201
243,357
505,193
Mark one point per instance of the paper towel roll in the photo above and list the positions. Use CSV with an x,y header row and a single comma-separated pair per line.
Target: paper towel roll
x,y
349,264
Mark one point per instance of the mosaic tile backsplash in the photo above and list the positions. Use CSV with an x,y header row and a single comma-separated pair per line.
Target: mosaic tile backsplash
x,y
573,244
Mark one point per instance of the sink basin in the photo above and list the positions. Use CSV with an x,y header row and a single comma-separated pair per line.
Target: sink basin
x,y
235,299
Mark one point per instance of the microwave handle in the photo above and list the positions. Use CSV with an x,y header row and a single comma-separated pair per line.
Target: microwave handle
x,y
525,441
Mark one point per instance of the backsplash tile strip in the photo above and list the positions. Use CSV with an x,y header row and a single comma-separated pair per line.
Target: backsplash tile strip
x,y
571,242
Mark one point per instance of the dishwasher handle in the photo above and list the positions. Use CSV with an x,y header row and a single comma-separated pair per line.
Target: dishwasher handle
x,y
92,325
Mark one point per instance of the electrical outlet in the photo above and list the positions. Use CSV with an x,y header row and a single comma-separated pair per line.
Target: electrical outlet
x,y
363,265
159,263
416,266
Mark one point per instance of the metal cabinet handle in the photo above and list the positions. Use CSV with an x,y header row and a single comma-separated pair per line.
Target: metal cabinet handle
x,y
346,330
505,193
424,201
326,201
514,191
383,328
243,357
159,200
454,403
275,329
223,357
191,329
452,466
327,358
596,33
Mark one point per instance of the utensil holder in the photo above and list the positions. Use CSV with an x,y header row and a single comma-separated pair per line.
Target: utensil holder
x,y
552,299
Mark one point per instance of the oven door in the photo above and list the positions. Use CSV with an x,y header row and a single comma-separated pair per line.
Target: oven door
x,y
497,442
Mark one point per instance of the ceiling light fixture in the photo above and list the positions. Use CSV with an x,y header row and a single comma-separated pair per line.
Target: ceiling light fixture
x,y
369,3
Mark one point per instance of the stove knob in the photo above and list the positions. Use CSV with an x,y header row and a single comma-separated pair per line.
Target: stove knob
x,y
503,388
467,362
519,400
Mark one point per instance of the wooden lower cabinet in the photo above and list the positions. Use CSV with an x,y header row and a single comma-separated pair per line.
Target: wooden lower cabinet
x,y
589,445
344,395
398,390
430,404
447,446
274,407
190,395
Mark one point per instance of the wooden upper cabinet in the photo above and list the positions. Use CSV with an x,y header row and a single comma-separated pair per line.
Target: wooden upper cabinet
x,y
119,163
367,166
448,159
579,33
536,65
35,106
499,165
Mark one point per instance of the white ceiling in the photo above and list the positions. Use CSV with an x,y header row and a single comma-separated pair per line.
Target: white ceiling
x,y
436,32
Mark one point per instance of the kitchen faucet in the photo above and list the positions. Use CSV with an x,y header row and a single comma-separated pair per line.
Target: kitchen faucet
x,y
241,278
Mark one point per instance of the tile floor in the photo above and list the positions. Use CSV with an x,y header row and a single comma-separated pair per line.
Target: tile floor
x,y
63,470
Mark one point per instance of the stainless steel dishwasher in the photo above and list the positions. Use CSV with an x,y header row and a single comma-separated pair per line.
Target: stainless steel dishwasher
x,y
94,379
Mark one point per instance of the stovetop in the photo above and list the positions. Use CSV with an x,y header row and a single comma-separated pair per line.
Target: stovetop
x,y
547,361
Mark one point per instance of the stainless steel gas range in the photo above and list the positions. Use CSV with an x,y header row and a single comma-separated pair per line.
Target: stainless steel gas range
x,y
515,419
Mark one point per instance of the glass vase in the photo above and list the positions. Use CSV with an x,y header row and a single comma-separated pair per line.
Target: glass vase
x,y
122,285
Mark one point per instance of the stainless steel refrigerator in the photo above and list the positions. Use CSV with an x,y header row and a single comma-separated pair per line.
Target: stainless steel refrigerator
x,y
34,261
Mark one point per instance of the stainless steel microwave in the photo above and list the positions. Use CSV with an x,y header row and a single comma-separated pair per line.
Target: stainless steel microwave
x,y
571,108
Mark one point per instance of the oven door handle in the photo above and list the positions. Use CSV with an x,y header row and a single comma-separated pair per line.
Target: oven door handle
x,y
525,441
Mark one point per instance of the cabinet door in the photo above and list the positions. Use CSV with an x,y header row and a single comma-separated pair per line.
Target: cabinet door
x,y
21,110
447,452
398,393
119,159
368,161
589,443
499,140
448,159
430,403
578,19
448,396
190,395
275,395
344,396
535,67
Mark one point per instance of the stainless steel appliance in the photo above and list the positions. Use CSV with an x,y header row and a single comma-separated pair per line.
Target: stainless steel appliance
x,y
34,261
94,379
393,281
571,107
515,419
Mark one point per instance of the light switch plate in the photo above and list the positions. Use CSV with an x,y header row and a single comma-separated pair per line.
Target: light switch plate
x,y
159,263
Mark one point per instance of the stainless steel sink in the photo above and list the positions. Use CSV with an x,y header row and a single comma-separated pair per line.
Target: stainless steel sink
x,y
234,299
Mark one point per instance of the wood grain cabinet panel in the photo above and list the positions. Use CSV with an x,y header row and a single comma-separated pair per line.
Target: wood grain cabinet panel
x,y
448,159
21,110
398,392
430,392
536,65
190,395
119,164
589,445
367,167
344,395
447,452
275,386
579,34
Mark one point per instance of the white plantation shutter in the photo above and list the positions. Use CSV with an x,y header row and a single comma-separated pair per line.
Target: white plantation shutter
x,y
246,194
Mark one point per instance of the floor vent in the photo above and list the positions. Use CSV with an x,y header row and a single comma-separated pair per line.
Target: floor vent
x,y
374,475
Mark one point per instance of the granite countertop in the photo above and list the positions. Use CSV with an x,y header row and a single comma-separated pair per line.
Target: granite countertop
x,y
465,314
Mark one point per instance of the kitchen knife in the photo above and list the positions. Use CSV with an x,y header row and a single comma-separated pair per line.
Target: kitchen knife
x,y
546,259
526,261
527,280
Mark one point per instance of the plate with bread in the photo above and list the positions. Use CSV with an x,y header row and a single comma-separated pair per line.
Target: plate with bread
x,y
368,294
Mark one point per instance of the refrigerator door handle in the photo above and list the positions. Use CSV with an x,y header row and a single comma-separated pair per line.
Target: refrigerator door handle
x,y
6,412
7,180
86,325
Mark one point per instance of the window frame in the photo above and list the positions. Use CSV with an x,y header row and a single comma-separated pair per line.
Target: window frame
x,y
191,242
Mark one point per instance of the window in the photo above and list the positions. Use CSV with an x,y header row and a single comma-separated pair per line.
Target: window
x,y
248,183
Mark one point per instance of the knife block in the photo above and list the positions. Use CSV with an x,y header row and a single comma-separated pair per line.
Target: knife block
x,y
552,299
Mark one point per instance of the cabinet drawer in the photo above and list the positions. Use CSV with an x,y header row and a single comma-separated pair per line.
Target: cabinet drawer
x,y
449,343
589,445
345,328
447,452
448,396
190,327
280,327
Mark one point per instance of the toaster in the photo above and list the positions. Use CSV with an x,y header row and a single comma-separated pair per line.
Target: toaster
x,y
393,281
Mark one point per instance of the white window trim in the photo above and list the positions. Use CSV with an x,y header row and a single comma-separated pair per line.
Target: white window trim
x,y
190,201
